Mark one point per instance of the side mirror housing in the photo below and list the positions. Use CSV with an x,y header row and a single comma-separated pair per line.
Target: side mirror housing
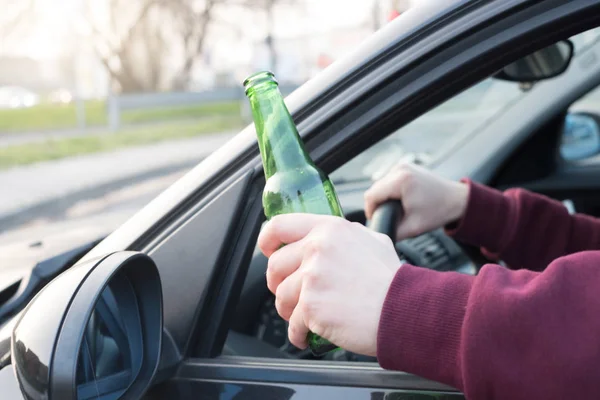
x,y
546,63
580,136
95,331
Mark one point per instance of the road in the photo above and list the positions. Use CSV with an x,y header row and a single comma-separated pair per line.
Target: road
x,y
91,217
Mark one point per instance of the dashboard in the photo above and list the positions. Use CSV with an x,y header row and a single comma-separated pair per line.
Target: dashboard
x,y
257,330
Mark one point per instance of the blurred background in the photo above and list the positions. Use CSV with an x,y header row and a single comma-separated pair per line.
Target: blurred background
x,y
104,103
78,64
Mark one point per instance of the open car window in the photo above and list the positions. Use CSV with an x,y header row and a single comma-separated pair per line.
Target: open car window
x,y
423,139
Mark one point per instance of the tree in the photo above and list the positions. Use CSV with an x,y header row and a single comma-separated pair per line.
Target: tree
x,y
129,41
14,15
136,40
268,8
193,21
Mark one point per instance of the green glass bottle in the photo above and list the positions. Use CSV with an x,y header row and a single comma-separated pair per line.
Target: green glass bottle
x,y
294,184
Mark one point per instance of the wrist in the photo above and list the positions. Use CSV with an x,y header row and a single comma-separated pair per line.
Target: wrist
x,y
458,201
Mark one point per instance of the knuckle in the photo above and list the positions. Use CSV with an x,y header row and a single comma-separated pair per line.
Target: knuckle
x,y
295,335
273,274
405,180
283,309
308,307
312,277
273,263
320,242
313,246
337,225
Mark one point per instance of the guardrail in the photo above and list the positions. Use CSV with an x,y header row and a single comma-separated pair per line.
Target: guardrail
x,y
117,104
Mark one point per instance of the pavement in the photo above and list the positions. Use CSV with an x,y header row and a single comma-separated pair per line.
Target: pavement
x,y
48,188
13,139
17,138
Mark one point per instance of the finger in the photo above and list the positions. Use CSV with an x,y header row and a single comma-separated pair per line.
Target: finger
x,y
297,329
402,165
287,295
379,192
283,263
407,228
288,228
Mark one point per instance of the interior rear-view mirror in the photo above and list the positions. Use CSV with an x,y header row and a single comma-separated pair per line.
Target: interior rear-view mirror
x,y
546,63
95,331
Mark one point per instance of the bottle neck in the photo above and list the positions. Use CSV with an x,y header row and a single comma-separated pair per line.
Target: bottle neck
x,y
281,147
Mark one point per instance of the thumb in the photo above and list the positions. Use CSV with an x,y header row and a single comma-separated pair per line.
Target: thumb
x,y
408,227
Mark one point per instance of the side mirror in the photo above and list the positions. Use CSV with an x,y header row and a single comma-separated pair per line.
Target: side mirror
x,y
580,137
542,64
95,331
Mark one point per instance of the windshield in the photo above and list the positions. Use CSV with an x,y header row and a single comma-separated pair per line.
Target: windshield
x,y
427,136
423,138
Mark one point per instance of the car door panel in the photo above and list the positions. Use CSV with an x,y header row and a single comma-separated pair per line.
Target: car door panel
x,y
193,247
240,378
201,390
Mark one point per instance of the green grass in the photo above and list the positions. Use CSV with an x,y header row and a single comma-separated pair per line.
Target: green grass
x,y
60,148
56,116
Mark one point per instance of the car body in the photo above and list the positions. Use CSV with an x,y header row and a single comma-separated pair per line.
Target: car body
x,y
201,232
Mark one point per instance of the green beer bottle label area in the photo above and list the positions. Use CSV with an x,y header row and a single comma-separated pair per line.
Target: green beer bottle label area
x,y
294,184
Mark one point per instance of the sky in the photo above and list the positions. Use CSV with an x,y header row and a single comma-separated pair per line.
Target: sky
x,y
46,37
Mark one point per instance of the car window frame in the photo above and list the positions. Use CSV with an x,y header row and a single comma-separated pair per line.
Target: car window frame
x,y
350,138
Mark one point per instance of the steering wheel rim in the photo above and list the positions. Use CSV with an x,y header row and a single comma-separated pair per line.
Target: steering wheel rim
x,y
385,218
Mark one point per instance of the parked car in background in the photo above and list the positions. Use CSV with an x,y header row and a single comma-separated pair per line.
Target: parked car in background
x,y
60,96
17,97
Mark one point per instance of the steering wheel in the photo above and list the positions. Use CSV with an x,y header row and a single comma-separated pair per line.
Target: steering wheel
x,y
385,218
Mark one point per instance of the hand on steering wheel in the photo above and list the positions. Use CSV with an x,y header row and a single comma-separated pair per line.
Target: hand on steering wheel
x,y
386,217
428,201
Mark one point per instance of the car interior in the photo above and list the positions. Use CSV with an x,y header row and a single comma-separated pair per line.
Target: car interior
x,y
545,162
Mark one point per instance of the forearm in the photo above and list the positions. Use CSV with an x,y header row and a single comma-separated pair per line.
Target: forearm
x,y
524,229
501,334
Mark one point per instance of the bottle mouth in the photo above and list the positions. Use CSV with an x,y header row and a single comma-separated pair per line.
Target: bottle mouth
x,y
258,79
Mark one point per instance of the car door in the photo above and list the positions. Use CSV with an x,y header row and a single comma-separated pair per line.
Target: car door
x,y
201,232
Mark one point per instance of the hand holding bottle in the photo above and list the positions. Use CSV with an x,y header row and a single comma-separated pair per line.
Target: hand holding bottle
x,y
331,278
429,201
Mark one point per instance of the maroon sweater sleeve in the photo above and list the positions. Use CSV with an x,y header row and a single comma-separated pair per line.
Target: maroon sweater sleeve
x,y
504,334
501,334
524,229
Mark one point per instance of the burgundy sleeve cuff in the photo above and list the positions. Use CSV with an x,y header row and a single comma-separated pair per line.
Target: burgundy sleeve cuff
x,y
421,320
486,218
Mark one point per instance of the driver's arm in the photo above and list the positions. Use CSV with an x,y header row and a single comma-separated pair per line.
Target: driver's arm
x,y
501,334
524,229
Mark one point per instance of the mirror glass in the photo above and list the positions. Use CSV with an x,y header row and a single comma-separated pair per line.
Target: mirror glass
x,y
580,137
542,64
104,359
